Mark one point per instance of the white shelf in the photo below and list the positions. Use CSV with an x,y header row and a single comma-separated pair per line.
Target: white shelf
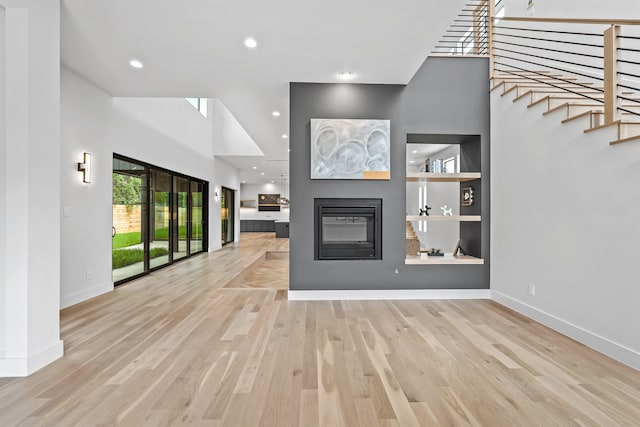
x,y
442,177
444,260
442,218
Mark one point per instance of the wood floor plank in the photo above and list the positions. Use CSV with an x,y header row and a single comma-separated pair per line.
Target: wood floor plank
x,y
213,341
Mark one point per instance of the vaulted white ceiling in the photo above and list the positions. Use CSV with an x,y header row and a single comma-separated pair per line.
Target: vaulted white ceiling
x,y
195,48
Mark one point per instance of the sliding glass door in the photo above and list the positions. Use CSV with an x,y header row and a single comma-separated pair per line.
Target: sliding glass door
x,y
197,194
129,208
227,203
180,217
159,217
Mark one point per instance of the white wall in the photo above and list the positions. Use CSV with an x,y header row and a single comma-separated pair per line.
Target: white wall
x,y
175,118
31,186
251,191
3,180
565,218
229,137
138,128
572,8
229,177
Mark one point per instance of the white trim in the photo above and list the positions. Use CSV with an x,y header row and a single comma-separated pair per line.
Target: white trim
x,y
69,300
612,349
22,367
389,294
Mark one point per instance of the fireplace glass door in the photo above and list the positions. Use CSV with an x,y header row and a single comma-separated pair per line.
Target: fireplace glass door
x,y
348,229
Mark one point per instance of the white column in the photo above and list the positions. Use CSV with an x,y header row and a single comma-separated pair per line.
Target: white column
x,y
31,182
2,178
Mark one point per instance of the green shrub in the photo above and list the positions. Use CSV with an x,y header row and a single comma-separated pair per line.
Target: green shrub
x,y
123,257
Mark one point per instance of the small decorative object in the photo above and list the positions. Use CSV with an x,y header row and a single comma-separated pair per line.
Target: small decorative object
x,y
435,252
425,211
467,196
446,211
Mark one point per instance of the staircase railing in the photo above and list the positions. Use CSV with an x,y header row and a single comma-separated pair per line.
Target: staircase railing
x,y
471,30
593,60
603,53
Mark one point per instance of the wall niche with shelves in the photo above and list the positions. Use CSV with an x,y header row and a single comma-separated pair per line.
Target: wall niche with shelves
x,y
444,174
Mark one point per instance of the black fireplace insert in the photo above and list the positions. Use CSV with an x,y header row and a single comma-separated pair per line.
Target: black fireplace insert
x,y
348,229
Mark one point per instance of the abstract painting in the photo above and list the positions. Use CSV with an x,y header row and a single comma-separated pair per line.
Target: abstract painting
x,y
350,149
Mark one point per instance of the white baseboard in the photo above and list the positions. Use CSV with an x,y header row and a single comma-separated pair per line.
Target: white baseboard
x,y
25,366
389,294
612,349
69,300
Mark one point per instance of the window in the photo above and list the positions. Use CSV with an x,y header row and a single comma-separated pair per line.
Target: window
x,y
449,165
199,104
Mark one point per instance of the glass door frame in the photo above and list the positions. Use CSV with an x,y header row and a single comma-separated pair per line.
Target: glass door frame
x,y
229,203
173,201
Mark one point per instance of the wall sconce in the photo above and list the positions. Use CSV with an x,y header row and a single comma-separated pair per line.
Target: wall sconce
x,y
216,194
85,168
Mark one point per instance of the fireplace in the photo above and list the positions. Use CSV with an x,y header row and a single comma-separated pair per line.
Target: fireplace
x,y
347,229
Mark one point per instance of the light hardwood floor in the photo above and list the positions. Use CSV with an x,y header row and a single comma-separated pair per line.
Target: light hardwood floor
x,y
199,344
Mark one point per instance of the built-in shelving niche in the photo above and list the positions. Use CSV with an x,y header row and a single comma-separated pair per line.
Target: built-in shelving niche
x,y
469,219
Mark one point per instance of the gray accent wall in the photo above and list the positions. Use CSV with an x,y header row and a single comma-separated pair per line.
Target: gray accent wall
x,y
446,96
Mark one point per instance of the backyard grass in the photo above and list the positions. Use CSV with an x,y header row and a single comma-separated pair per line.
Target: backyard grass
x,y
123,257
163,233
126,239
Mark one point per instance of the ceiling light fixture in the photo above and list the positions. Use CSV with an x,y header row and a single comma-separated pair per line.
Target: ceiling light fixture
x,y
414,152
255,167
285,136
250,42
136,64
346,75
261,173
276,114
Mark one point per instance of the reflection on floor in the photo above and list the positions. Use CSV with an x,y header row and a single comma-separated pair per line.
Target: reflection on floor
x,y
213,341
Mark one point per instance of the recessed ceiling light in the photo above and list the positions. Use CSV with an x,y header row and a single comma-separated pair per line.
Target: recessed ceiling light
x,y
288,150
243,181
414,152
136,63
411,161
261,173
250,43
272,181
346,75
285,136
276,114
255,167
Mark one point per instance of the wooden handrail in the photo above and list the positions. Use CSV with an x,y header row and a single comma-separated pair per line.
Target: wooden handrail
x,y
571,20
